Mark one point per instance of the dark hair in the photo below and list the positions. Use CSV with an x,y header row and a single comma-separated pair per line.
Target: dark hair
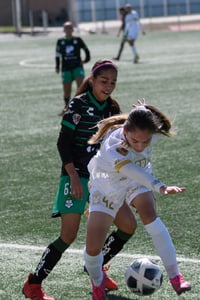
x,y
98,67
142,116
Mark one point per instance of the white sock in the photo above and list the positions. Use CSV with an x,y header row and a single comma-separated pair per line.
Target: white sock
x,y
93,265
133,48
164,246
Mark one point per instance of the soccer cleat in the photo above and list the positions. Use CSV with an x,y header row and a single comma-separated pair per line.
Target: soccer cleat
x,y
136,59
98,292
179,284
34,291
110,284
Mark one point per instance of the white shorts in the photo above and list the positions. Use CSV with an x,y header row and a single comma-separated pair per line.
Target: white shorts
x,y
132,34
100,203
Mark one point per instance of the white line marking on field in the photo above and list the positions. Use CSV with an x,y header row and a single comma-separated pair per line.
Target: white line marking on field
x,y
78,251
30,63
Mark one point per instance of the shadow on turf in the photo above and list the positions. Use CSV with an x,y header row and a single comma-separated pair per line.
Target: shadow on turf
x,y
116,297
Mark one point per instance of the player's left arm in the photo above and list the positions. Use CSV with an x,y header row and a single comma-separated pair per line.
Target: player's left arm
x,y
86,50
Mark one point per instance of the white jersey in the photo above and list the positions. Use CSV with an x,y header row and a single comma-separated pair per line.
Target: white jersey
x,y
132,25
107,178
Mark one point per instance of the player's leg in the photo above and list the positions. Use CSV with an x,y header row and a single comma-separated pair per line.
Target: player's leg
x,y
70,211
134,51
67,87
97,228
51,256
121,48
145,205
126,226
78,75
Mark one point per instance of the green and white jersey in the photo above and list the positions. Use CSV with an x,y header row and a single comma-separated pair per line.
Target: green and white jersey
x,y
69,52
77,126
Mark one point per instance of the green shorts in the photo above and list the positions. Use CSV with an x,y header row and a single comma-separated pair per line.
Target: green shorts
x,y
71,75
65,203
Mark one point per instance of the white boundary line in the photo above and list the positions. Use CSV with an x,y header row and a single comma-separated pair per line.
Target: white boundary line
x,y
77,251
29,63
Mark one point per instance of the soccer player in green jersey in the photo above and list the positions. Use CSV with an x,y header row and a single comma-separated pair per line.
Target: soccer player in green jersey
x,y
69,61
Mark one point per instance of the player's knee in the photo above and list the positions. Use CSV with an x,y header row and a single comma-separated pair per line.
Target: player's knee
x,y
68,237
128,226
93,251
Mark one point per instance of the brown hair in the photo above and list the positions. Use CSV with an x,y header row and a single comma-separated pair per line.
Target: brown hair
x,y
98,67
142,116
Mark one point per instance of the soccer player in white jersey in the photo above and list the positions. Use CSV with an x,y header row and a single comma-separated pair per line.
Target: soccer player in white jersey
x,y
132,29
121,172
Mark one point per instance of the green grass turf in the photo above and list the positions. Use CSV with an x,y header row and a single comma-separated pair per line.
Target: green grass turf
x,y
31,98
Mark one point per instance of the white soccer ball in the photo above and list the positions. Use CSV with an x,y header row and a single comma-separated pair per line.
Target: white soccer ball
x,y
143,277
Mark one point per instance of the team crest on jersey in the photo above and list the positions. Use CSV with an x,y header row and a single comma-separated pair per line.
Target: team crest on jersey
x,y
68,203
123,148
123,151
76,118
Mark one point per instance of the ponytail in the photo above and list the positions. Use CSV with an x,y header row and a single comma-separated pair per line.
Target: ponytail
x,y
106,125
142,116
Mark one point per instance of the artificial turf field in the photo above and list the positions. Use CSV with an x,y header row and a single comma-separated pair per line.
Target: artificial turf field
x,y
168,76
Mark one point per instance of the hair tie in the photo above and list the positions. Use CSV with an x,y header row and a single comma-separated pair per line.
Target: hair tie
x,y
141,105
103,64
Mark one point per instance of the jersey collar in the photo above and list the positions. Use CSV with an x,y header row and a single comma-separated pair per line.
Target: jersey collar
x,y
95,102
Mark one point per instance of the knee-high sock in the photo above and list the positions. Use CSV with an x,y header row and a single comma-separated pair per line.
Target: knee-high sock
x,y
164,246
114,243
133,48
93,265
48,261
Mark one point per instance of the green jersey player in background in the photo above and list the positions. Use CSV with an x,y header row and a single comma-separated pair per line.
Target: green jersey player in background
x,y
69,60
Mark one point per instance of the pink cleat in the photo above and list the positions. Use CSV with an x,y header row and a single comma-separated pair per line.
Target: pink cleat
x,y
180,285
98,292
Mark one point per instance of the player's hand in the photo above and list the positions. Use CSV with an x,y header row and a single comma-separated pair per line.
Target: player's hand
x,y
76,187
166,190
143,32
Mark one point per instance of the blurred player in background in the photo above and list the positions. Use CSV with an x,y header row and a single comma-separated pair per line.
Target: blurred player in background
x,y
132,28
68,55
122,14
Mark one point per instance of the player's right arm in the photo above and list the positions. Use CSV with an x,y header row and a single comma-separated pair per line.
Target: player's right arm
x,y
57,57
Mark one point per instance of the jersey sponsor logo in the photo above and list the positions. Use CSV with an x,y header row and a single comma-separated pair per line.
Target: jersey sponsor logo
x,y
76,118
90,111
69,49
142,162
